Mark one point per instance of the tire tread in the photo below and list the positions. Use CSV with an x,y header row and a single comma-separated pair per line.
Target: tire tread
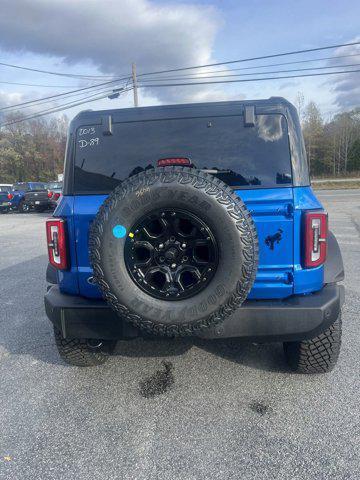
x,y
317,355
236,210
75,351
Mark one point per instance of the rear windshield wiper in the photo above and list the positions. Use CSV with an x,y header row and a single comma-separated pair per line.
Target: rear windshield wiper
x,y
214,171
236,178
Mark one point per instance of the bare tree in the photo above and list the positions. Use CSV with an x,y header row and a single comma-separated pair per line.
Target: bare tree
x,y
299,103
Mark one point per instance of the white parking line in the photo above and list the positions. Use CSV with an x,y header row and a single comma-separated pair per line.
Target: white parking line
x,y
347,236
341,242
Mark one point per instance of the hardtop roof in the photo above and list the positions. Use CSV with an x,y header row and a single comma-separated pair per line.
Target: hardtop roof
x,y
270,105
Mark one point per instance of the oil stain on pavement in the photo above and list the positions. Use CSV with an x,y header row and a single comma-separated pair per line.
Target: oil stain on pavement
x,y
260,408
158,383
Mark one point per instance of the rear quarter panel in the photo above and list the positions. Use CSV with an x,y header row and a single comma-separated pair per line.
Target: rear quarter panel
x,y
306,280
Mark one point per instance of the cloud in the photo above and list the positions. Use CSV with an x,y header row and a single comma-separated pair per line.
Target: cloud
x,y
7,99
112,34
289,84
346,87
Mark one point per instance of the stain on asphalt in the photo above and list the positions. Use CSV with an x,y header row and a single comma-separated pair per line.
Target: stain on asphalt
x,y
158,383
260,408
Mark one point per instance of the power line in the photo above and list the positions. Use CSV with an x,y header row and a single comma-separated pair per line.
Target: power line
x,y
176,70
247,79
62,94
295,52
271,65
106,94
72,75
86,100
98,90
38,85
65,106
253,73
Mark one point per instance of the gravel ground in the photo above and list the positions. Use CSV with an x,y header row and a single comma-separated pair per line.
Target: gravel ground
x,y
170,409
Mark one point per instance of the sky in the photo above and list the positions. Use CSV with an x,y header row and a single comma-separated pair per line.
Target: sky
x,y
103,37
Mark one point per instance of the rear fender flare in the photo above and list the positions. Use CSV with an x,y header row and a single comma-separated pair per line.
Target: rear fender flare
x,y
333,267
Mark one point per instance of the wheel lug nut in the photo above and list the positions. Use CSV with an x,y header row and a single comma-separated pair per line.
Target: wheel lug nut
x,y
162,259
172,239
183,245
161,245
173,265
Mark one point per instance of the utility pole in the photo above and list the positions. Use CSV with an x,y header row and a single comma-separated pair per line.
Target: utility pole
x,y
136,100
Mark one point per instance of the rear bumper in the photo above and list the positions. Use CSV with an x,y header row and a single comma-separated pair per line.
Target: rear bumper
x,y
37,203
296,318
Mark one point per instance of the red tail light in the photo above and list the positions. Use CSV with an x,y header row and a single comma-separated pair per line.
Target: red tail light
x,y
56,196
166,162
57,243
50,194
316,232
10,196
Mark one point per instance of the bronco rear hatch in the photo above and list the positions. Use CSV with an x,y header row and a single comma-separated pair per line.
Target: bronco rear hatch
x,y
246,146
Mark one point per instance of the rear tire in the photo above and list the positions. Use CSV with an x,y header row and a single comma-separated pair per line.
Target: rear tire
x,y
80,353
23,207
317,355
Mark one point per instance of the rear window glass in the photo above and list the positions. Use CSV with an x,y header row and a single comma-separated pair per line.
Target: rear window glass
x,y
257,156
29,186
54,186
37,186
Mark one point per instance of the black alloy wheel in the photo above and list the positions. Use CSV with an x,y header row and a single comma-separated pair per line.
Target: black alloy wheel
x,y
171,254
24,207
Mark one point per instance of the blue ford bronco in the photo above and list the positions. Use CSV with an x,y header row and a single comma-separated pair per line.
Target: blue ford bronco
x,y
192,220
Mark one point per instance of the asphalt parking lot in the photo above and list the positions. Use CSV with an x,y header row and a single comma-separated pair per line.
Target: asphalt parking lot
x,y
232,410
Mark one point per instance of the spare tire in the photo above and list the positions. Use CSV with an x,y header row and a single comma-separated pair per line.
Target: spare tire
x,y
174,250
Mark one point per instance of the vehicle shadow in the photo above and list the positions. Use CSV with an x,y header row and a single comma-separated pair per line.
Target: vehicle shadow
x,y
25,329
261,356
266,357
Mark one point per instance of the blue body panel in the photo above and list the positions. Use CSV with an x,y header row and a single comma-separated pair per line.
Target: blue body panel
x,y
18,196
277,214
271,210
